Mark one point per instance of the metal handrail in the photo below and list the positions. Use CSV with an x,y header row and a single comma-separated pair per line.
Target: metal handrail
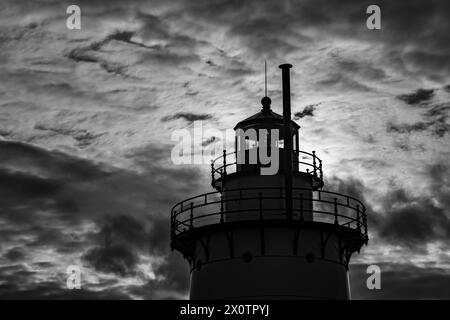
x,y
186,215
220,167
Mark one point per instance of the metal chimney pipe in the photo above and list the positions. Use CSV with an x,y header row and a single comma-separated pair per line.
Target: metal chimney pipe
x,y
287,137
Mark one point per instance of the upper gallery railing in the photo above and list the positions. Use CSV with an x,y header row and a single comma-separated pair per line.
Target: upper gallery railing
x,y
305,162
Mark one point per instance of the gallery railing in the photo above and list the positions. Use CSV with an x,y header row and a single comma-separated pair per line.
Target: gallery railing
x,y
254,204
305,162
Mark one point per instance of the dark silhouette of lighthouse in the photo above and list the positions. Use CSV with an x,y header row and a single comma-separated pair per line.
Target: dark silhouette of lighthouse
x,y
269,236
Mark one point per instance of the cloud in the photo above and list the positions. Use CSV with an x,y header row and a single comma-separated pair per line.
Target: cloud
x,y
351,187
121,244
15,254
419,96
79,55
408,219
98,166
400,217
257,32
209,141
435,120
413,221
401,281
117,259
340,81
16,184
79,211
176,273
439,127
127,37
408,128
189,117
19,283
278,29
362,69
308,111
123,238
439,110
83,138
92,54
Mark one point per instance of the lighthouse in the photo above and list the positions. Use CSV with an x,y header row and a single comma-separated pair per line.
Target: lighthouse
x,y
269,229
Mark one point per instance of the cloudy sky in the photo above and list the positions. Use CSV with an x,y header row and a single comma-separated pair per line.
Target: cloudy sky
x,y
86,118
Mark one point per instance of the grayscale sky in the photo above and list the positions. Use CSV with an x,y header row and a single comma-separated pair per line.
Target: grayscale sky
x,y
86,118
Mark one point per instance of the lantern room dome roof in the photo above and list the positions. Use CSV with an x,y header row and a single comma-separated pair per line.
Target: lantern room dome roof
x,y
265,118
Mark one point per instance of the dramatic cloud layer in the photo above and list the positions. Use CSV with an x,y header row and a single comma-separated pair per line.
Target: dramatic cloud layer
x,y
86,118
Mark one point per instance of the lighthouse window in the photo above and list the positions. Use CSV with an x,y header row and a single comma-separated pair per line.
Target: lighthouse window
x,y
250,144
280,144
246,139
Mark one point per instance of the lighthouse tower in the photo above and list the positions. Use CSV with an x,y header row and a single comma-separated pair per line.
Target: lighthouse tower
x,y
265,233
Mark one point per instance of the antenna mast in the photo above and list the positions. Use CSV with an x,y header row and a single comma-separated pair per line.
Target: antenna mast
x,y
265,78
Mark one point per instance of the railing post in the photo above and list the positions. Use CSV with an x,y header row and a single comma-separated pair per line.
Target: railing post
x,y
260,207
221,208
212,173
365,225
358,227
192,216
314,163
335,211
225,162
320,170
301,206
172,223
